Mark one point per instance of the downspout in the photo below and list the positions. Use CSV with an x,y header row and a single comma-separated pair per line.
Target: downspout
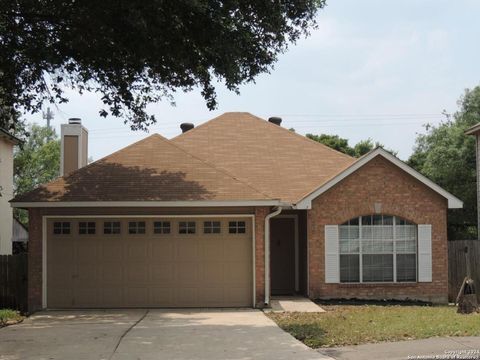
x,y
267,253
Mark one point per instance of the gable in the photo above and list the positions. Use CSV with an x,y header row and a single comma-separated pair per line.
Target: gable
x,y
305,202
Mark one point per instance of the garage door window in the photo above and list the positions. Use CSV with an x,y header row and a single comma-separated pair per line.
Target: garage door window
x,y
211,227
61,228
136,227
85,228
186,227
111,227
161,227
236,227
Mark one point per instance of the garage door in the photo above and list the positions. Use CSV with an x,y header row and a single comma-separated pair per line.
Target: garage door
x,y
149,262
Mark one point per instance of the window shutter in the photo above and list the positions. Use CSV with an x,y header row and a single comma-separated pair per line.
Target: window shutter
x,y
332,266
424,253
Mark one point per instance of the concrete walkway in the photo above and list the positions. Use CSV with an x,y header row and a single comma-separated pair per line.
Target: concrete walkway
x,y
293,304
469,347
151,334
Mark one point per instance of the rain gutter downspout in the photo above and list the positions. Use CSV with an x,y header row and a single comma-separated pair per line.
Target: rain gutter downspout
x,y
267,252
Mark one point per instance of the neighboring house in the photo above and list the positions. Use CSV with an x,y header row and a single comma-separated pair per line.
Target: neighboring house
x,y
19,238
228,214
7,142
475,131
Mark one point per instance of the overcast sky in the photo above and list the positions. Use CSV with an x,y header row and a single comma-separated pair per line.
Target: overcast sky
x,y
373,69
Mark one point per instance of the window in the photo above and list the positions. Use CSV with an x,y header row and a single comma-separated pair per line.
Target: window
x,y
136,227
378,248
161,227
186,227
85,227
211,227
236,227
61,228
111,227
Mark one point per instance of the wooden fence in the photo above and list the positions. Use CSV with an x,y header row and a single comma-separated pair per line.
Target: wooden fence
x,y
13,282
463,257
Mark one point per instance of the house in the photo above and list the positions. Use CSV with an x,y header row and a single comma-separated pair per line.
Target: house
x,y
19,237
7,142
228,214
475,131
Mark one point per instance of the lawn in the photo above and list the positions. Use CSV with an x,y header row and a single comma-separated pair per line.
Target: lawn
x,y
8,317
359,324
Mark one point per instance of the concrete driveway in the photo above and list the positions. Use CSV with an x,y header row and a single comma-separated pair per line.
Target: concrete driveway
x,y
150,334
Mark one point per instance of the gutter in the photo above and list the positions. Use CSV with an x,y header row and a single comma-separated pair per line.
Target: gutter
x,y
267,252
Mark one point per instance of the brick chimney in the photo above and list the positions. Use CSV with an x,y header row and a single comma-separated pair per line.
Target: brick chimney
x,y
74,146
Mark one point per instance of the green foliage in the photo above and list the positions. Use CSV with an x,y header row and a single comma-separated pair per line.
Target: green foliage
x,y
36,162
447,156
341,144
138,52
352,325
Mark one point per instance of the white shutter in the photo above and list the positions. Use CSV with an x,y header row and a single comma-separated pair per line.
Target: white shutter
x,y
424,253
332,266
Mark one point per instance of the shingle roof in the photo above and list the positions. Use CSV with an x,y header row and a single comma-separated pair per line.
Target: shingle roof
x,y
6,135
153,169
274,160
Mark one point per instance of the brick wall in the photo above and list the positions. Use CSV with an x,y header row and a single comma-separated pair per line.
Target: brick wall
x,y
399,194
260,214
34,260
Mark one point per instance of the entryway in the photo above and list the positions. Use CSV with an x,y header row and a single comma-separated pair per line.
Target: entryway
x,y
288,254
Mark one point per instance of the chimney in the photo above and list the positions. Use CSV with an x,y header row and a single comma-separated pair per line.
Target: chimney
x,y
275,120
186,126
74,146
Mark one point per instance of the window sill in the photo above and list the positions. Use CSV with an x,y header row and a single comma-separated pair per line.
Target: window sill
x,y
378,284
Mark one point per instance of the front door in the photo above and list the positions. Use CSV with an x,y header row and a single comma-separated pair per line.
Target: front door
x,y
282,255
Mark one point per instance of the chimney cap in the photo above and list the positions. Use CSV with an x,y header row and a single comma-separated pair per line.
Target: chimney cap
x,y
275,120
186,126
74,121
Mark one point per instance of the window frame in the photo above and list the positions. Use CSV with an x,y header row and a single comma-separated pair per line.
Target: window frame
x,y
236,227
162,227
212,226
63,227
88,227
394,252
187,227
137,227
112,227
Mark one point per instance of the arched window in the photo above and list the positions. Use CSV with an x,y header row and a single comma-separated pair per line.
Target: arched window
x,y
378,248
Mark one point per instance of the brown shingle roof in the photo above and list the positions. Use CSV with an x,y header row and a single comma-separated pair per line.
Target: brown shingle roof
x,y
274,160
153,169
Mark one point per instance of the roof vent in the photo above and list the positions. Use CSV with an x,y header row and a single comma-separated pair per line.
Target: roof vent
x,y
186,126
275,120
75,121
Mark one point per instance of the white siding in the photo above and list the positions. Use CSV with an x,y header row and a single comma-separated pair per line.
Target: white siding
x,y
332,266
424,253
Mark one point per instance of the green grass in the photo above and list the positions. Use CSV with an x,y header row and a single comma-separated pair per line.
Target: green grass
x,y
8,316
351,325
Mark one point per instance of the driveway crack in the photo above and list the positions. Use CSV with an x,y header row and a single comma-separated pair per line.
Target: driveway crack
x,y
125,334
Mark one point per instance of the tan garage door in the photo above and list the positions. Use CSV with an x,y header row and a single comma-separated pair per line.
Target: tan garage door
x,y
149,262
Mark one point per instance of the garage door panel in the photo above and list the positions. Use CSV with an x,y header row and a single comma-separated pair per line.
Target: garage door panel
x,y
163,273
163,249
152,269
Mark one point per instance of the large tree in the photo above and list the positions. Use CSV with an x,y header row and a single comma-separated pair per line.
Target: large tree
x,y
136,52
36,161
447,156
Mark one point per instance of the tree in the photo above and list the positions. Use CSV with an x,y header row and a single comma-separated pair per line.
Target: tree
x,y
447,156
137,52
36,162
341,144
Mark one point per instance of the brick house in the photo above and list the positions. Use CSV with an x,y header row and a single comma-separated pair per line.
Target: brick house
x,y
228,214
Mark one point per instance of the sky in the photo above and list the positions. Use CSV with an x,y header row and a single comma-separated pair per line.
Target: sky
x,y
377,69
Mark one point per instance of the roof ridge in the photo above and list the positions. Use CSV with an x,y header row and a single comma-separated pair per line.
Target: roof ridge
x,y
217,168
268,124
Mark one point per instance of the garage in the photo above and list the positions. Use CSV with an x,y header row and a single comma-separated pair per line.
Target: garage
x,y
107,262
